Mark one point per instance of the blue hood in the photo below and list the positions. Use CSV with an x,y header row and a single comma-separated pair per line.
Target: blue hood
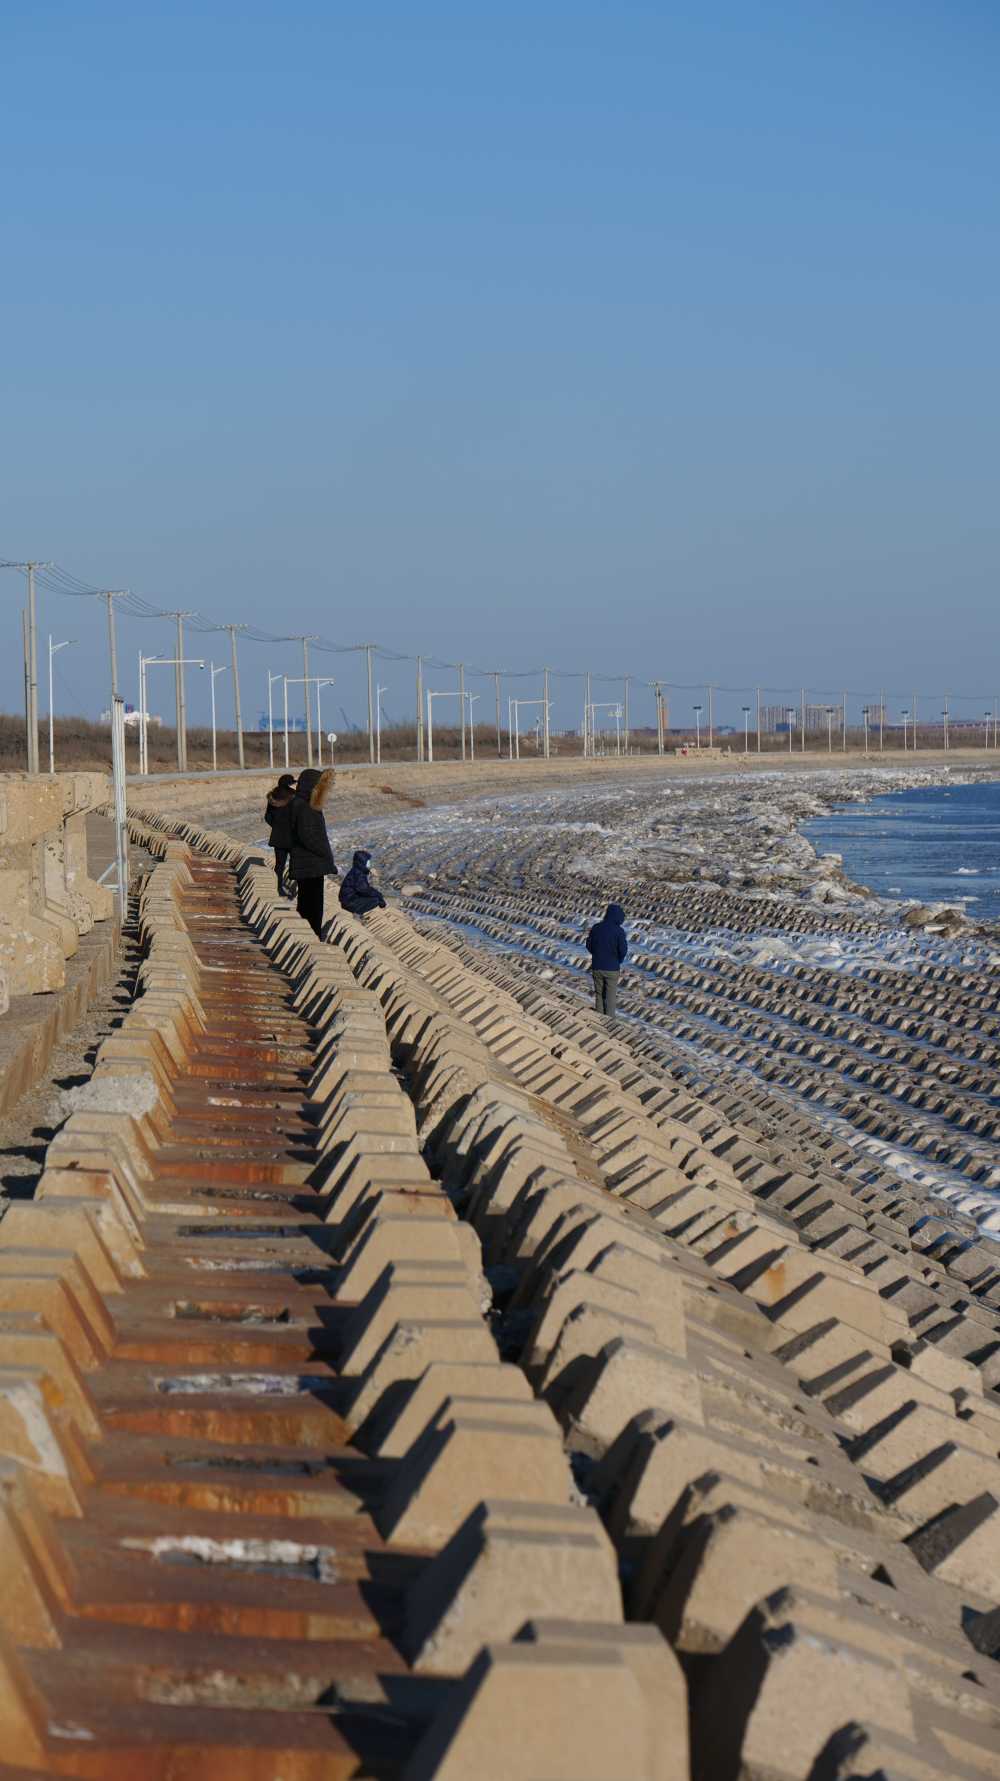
x,y
615,914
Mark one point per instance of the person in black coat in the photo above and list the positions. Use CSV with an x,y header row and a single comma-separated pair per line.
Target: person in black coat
x,y
357,892
278,817
311,854
608,949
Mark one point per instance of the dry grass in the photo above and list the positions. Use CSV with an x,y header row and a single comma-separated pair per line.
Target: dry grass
x,y
82,745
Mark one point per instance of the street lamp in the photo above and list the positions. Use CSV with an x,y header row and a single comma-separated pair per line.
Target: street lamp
x,y
905,716
791,724
54,649
987,717
271,678
320,684
697,726
215,671
445,693
379,690
472,697
829,729
865,713
944,716
150,662
746,729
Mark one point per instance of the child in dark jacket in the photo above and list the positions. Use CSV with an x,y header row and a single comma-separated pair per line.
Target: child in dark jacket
x,y
357,893
608,949
278,817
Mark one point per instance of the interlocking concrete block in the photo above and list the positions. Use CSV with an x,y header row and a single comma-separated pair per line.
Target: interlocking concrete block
x,y
405,1292
624,1378
781,1692
539,1713
33,1440
657,1672
962,1545
412,1344
34,1598
505,1563
26,1340
720,1564
421,1402
467,1459
390,1239
49,1226
40,1285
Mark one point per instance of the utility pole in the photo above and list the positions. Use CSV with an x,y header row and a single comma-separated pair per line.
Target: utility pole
x,y
420,708
758,720
31,656
914,723
496,683
237,710
545,713
658,694
179,698
24,647
711,717
461,701
305,682
111,596
802,749
588,721
628,685
368,648
844,737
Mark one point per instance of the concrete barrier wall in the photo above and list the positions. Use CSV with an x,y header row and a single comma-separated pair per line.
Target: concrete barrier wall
x,y
47,898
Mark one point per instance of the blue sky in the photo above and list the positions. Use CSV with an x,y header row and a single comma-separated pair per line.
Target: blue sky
x,y
654,338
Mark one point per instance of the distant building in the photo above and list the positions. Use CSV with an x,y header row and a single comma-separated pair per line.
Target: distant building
x,y
774,718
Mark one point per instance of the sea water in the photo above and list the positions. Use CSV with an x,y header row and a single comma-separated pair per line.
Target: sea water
x,y
935,843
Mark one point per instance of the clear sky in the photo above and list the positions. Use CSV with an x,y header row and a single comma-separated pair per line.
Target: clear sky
x,y
650,337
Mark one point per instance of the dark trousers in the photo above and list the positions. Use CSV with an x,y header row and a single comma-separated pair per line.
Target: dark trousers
x,y
280,862
605,991
360,905
310,903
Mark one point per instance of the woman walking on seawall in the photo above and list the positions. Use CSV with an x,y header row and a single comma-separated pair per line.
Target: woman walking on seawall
x,y
312,856
278,817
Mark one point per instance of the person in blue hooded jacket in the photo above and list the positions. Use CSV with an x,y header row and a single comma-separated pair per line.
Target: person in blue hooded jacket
x,y
608,949
357,892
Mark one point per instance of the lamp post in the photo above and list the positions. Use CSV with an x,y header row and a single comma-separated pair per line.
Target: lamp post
x,y
54,649
791,725
150,662
987,716
271,678
472,697
321,682
865,710
379,690
746,729
829,729
944,720
906,717
446,693
697,727
214,671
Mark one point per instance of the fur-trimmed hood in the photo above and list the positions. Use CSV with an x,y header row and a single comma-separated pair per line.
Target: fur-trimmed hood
x,y
315,786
